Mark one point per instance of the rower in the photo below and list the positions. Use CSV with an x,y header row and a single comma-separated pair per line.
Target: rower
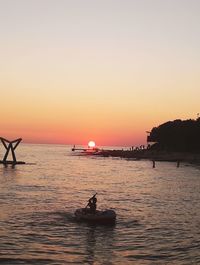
x,y
92,203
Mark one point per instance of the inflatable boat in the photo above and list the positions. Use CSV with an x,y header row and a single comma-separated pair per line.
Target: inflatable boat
x,y
101,217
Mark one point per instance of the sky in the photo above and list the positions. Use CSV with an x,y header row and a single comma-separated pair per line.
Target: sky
x,y
103,70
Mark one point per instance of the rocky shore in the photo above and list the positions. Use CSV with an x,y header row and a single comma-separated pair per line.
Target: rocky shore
x,y
152,155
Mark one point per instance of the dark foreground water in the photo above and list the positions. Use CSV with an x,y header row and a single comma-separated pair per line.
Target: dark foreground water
x,y
158,210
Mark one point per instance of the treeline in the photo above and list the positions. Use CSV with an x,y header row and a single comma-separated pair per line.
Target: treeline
x,y
177,135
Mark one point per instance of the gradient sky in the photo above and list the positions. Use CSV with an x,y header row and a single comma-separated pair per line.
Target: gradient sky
x,y
104,70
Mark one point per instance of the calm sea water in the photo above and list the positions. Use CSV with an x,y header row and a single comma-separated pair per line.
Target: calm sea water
x,y
158,210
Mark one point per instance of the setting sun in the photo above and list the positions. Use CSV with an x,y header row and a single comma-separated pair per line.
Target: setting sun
x,y
91,144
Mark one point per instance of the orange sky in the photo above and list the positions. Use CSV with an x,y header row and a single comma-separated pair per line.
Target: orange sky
x,y
106,71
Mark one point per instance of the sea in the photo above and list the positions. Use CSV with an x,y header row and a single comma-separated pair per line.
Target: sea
x,y
158,209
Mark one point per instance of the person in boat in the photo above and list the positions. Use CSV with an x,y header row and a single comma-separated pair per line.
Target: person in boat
x,y
92,203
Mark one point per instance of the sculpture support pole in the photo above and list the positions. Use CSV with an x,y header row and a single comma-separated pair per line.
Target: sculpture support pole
x,y
6,154
13,154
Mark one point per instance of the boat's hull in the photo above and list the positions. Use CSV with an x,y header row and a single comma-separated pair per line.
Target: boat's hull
x,y
100,217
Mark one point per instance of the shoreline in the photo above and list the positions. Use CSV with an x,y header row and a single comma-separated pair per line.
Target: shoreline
x,y
153,155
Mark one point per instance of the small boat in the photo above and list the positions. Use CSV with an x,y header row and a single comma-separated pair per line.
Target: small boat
x,y
99,217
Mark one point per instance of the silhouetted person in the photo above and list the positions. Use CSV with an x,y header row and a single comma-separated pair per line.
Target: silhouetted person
x,y
93,204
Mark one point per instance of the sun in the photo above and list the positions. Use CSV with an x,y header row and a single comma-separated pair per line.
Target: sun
x,y
91,144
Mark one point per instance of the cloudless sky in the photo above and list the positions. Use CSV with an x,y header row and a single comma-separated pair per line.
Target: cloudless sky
x,y
104,70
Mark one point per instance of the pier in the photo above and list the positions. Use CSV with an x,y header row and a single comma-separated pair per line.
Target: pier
x,y
146,154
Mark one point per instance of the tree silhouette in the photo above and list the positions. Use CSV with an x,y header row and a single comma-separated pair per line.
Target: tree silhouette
x,y
177,135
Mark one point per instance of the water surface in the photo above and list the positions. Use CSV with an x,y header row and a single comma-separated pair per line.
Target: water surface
x,y
158,210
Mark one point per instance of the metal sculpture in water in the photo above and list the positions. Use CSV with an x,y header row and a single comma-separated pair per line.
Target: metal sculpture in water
x,y
10,146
